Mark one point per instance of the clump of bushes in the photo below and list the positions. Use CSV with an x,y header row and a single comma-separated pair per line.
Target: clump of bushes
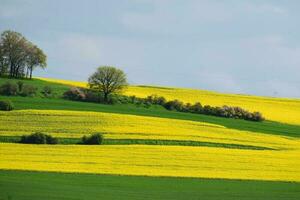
x,y
87,95
19,88
38,138
9,89
75,94
6,105
225,111
28,91
94,139
47,92
156,100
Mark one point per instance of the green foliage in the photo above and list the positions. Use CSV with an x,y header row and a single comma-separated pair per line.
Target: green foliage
x,y
20,86
58,89
107,80
75,94
9,89
28,91
6,105
18,56
92,96
225,111
38,138
157,100
94,139
47,91
174,105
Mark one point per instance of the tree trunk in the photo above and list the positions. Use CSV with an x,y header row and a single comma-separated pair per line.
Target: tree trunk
x,y
11,70
105,97
26,76
17,72
30,72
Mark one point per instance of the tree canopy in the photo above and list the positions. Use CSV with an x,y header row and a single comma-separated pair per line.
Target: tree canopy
x,y
18,56
107,79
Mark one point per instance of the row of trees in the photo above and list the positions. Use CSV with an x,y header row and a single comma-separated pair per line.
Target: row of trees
x,y
18,56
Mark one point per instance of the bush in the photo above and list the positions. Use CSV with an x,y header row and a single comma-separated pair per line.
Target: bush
x,y
157,100
75,94
94,139
92,96
28,91
38,138
20,85
174,105
257,116
47,92
196,108
9,89
122,99
6,105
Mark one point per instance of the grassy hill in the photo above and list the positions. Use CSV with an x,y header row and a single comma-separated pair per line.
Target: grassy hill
x,y
152,141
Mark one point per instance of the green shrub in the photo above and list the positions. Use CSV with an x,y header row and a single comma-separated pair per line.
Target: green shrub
x,y
174,105
38,138
92,96
196,108
157,100
75,94
47,91
123,99
94,139
257,116
9,89
6,105
28,91
20,85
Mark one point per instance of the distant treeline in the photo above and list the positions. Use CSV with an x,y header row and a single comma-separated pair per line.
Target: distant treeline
x,y
88,95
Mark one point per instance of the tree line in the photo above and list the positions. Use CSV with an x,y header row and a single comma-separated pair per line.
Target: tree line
x,y
18,56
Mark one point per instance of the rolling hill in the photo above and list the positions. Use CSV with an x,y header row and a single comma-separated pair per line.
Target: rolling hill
x,y
143,142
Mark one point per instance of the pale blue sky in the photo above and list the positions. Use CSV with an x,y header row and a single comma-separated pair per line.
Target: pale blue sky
x,y
237,46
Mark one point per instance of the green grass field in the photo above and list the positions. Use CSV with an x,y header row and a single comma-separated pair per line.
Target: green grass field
x,y
48,186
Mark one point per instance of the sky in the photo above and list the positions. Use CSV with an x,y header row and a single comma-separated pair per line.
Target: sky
x,y
232,46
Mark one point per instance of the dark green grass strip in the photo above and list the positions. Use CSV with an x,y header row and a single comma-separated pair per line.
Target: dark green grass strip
x,y
267,127
22,185
16,139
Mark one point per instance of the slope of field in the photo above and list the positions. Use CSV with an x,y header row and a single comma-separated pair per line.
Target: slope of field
x,y
272,108
217,148
148,160
70,124
37,186
269,127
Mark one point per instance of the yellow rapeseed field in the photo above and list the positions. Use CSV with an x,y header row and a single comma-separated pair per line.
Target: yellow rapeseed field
x,y
122,126
275,109
179,161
